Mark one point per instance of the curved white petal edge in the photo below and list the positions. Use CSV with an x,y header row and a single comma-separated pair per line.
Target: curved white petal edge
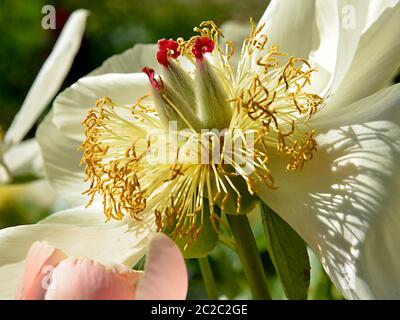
x,y
345,202
50,77
61,133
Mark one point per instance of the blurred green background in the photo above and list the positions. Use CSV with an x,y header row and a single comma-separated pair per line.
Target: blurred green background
x,y
112,27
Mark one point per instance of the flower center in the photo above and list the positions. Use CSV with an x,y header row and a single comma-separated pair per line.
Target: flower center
x,y
204,136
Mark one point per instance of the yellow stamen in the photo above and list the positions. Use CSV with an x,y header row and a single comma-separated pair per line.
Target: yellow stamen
x,y
269,101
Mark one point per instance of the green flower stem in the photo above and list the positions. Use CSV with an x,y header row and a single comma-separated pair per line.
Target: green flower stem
x,y
208,278
247,250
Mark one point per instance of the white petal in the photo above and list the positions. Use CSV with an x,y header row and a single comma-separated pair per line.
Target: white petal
x,y
332,117
377,58
130,61
376,9
345,202
10,277
50,77
340,24
78,232
290,24
24,159
61,134
71,106
40,194
61,160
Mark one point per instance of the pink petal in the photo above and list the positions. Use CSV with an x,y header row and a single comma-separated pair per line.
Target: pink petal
x,y
165,275
39,263
85,279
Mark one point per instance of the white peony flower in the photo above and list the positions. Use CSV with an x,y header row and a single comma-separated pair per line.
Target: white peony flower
x,y
17,157
342,201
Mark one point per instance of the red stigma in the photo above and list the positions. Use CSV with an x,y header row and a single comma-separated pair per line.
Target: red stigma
x,y
156,84
167,48
201,46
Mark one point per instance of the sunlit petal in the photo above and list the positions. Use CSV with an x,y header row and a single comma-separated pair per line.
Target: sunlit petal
x,y
345,203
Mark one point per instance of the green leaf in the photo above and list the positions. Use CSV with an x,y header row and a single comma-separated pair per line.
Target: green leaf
x,y
205,243
289,254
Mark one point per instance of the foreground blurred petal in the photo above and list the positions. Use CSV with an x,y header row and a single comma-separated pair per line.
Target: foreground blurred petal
x,y
78,232
50,77
4,175
165,276
40,257
85,279
345,202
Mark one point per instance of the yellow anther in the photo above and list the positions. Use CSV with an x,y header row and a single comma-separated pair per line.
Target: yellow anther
x,y
268,97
